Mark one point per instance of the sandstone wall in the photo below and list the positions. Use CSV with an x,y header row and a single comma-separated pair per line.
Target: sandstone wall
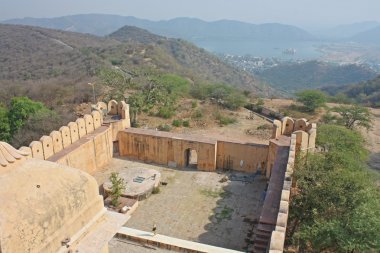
x,y
166,148
244,157
84,144
302,140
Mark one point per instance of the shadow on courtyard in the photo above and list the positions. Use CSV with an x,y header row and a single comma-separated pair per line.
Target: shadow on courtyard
x,y
233,220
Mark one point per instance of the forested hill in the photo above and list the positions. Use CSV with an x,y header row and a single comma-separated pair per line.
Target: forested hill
x,y
176,55
292,77
367,93
39,54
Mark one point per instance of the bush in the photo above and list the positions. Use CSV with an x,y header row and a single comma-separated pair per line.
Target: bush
x,y
197,114
264,127
177,123
166,112
117,188
335,198
224,120
311,99
186,123
116,62
194,104
165,128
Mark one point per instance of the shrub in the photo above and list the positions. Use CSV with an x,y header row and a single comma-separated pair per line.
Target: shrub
x,y
186,123
177,123
264,127
224,120
194,104
166,112
197,114
116,62
311,99
165,128
118,185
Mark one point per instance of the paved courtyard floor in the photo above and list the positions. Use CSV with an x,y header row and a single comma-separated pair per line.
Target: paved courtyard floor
x,y
196,206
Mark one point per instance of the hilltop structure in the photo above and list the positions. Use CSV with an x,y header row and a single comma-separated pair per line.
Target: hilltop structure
x,y
51,202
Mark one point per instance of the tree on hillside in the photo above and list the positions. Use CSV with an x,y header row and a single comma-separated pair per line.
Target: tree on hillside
x,y
354,115
116,83
311,99
335,204
21,108
5,130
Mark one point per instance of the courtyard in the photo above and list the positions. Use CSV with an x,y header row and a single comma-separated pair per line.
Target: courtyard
x,y
198,206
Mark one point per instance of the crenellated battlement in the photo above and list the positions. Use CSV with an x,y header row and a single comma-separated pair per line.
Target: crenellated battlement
x,y
87,143
305,131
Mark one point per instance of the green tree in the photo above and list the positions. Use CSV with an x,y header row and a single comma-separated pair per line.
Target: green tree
x,y
116,83
117,188
21,108
354,115
335,199
40,123
5,129
311,99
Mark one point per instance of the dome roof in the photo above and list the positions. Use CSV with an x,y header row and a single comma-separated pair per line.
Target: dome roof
x,y
43,203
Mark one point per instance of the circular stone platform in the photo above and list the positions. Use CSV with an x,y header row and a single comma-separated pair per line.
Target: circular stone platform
x,y
140,182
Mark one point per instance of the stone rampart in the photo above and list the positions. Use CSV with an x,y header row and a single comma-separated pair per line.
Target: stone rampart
x,y
302,140
85,144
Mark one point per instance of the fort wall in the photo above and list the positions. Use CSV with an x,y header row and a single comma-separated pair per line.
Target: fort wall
x,y
87,143
170,150
302,137
245,157
166,148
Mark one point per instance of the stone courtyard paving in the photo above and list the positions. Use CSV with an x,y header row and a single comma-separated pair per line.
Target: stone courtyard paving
x,y
196,206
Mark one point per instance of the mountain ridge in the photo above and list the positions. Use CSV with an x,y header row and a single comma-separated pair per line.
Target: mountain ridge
x,y
32,53
104,24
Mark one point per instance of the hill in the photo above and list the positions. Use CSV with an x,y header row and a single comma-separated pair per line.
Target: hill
x,y
32,55
291,77
367,92
343,32
371,36
195,29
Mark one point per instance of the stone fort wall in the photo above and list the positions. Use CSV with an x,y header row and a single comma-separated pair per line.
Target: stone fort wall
x,y
302,140
170,150
87,143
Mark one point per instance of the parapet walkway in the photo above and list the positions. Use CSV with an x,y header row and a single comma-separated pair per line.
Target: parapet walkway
x,y
167,242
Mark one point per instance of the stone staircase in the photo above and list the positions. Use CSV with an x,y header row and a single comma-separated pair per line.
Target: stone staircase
x,y
262,238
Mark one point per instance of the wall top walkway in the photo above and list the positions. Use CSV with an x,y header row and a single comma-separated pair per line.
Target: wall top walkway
x,y
148,236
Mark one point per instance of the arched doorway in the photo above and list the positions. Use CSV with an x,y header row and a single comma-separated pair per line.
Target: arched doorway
x,y
191,158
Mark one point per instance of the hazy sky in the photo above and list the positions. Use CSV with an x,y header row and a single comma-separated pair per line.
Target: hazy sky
x,y
297,12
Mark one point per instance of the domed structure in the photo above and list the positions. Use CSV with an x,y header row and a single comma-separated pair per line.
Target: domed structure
x,y
45,206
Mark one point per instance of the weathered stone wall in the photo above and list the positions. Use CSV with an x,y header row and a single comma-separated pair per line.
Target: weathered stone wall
x,y
166,148
90,153
84,144
244,157
278,235
302,140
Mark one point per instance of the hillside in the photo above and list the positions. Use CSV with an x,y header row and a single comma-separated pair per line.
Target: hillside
x,y
31,54
367,93
178,56
343,32
291,77
371,36
102,24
